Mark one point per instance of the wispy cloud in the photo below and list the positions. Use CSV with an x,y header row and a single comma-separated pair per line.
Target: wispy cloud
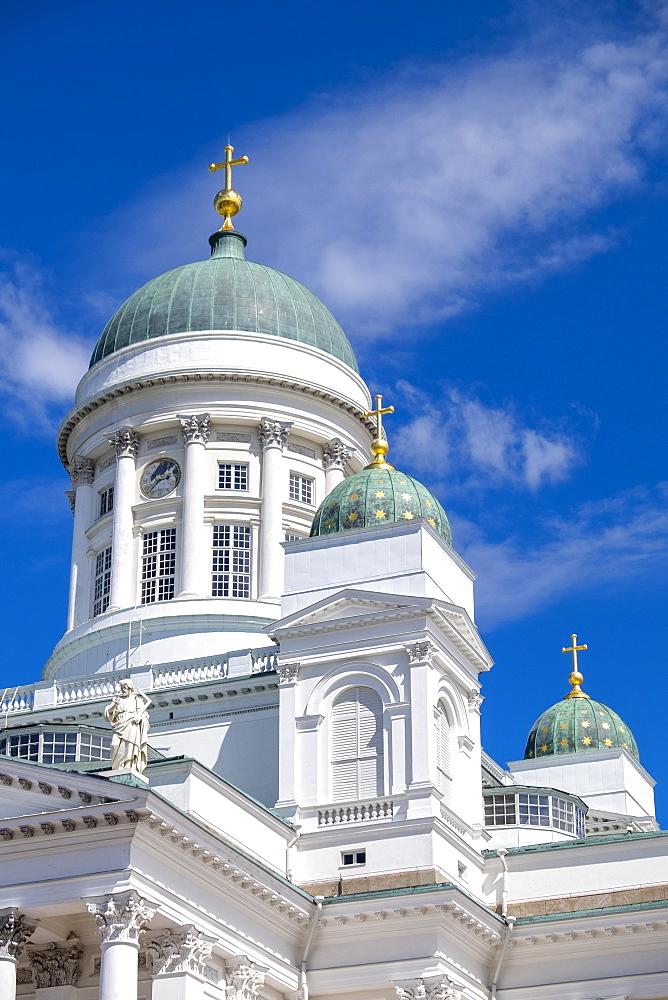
x,y
479,445
406,199
602,543
40,363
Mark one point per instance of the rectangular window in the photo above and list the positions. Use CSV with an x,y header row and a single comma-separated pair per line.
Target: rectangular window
x,y
562,814
349,858
232,476
158,570
231,560
301,488
102,584
500,810
106,501
534,810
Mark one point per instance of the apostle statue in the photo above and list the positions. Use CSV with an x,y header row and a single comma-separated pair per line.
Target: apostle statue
x,y
128,716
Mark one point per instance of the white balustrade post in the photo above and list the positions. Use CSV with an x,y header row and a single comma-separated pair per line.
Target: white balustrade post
x,y
120,919
81,472
196,432
15,929
123,591
179,958
273,436
335,454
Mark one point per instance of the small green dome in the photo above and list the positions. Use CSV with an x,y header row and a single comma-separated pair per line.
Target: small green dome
x,y
225,292
378,495
578,725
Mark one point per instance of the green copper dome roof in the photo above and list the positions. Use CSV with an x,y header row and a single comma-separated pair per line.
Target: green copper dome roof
x,y
225,292
578,725
378,495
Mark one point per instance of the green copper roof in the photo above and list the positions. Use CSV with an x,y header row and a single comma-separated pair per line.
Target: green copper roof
x,y
225,292
578,725
378,496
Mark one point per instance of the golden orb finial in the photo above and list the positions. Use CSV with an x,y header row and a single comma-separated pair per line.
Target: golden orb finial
x,y
379,445
227,202
575,678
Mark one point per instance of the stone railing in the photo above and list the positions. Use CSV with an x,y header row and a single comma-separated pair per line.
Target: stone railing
x,y
101,687
356,813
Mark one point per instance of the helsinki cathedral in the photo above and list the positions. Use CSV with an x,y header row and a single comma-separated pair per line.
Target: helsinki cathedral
x,y
252,767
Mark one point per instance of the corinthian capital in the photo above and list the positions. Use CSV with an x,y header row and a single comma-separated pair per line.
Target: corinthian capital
x,y
15,929
335,454
432,988
273,433
421,652
244,980
56,966
81,471
185,950
121,917
196,428
125,442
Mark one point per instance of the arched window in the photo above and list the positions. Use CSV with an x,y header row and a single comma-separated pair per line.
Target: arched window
x,y
357,745
443,752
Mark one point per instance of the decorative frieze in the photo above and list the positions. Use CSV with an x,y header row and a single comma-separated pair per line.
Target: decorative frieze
x,y
56,966
125,442
185,950
121,917
234,436
300,449
244,980
273,434
196,428
15,929
335,454
161,442
82,471
421,652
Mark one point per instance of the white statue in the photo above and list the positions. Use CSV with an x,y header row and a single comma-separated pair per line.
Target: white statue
x,y
128,715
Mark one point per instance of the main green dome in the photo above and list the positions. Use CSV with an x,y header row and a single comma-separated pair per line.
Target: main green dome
x,y
225,292
378,495
578,724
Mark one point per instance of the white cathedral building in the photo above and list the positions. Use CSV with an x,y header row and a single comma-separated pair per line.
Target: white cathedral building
x,y
316,817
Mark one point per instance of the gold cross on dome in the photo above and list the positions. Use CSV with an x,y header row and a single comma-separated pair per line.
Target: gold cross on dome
x,y
228,163
378,414
574,649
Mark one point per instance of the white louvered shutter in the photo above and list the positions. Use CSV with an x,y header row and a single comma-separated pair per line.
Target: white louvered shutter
x,y
443,752
357,745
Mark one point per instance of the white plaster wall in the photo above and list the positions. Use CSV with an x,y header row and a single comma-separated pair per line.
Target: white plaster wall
x,y
404,558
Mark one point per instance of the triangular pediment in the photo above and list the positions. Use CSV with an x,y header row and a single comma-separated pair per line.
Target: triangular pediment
x,y
349,605
28,789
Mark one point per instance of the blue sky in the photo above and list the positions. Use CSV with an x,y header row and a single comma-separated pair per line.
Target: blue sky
x,y
479,193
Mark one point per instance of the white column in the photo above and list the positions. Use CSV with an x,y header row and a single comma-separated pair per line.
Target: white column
x,y
287,735
193,564
179,958
120,919
123,591
420,655
272,437
15,929
81,472
335,454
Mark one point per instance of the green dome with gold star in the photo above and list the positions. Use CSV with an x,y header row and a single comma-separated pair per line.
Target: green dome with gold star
x,y
378,494
578,724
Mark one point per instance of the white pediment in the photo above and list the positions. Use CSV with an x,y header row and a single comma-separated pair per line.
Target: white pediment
x,y
348,605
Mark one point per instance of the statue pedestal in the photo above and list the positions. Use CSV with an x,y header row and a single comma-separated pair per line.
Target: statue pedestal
x,y
124,772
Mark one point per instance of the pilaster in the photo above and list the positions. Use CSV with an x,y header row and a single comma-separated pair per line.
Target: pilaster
x,y
179,958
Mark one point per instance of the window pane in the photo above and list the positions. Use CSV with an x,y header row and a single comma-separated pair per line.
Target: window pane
x,y
232,476
158,566
102,582
231,561
301,488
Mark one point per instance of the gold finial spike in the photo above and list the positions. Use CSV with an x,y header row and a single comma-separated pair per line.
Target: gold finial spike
x,y
379,445
575,676
227,202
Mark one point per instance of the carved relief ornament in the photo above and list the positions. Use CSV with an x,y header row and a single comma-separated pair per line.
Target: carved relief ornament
x,y
125,442
421,652
335,454
121,917
82,471
432,988
287,672
184,950
244,980
54,966
15,929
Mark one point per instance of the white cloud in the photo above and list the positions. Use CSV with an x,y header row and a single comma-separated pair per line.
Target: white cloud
x,y
602,543
404,200
40,363
474,445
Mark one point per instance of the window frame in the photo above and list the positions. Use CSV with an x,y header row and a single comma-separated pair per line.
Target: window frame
x,y
101,576
162,556
296,483
234,574
105,500
240,468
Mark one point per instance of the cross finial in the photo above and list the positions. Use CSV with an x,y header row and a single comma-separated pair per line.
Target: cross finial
x,y
227,202
575,677
379,445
